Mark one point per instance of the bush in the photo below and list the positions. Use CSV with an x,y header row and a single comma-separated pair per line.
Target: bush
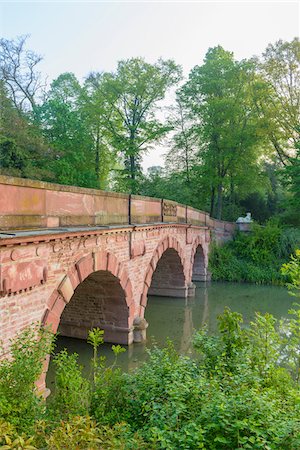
x,y
20,403
255,257
72,390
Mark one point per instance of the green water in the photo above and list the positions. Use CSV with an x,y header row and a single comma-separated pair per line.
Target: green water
x,y
177,319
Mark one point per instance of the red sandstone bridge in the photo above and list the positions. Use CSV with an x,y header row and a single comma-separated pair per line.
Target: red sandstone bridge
x,y
75,258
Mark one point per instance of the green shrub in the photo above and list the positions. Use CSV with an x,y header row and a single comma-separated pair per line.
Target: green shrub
x,y
255,257
20,403
72,390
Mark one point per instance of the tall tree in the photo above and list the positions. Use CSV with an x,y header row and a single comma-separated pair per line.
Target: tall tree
x,y
182,155
280,102
131,96
219,94
105,156
18,70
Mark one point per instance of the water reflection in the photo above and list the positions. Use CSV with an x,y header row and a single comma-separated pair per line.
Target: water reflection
x,y
177,319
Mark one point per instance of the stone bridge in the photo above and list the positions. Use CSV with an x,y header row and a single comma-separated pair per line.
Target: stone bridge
x,y
75,258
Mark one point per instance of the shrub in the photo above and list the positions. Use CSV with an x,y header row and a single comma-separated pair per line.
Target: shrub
x,y
20,403
72,390
255,257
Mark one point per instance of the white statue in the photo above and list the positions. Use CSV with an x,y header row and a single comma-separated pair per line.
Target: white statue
x,y
246,219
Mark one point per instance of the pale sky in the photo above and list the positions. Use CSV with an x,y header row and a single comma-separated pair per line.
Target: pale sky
x,y
80,36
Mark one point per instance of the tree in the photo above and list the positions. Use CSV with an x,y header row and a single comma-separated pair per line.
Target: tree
x,y
22,149
95,107
280,104
181,157
18,70
131,97
65,126
219,96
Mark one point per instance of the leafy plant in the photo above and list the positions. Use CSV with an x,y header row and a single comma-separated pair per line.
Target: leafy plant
x,y
72,390
20,403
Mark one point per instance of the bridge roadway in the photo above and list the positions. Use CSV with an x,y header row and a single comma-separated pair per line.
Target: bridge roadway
x,y
75,258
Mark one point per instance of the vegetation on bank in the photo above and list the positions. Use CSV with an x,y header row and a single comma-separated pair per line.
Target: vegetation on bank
x,y
257,256
241,391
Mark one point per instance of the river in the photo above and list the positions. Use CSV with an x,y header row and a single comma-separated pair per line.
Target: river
x,y
177,319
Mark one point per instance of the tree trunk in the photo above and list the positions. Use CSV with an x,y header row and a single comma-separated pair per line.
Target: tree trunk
x,y
212,202
232,193
187,165
219,201
97,156
132,174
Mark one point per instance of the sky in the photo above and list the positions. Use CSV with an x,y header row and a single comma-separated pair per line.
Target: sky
x,y
85,36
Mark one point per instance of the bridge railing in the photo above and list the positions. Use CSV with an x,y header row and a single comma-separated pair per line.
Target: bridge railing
x,y
28,204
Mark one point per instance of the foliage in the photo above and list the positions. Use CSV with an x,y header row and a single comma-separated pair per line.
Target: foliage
x,y
64,123
291,179
72,390
234,396
22,150
19,403
255,257
241,391
250,395
76,433
279,99
292,269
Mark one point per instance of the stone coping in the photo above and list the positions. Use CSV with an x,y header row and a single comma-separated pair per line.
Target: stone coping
x,y
47,234
26,182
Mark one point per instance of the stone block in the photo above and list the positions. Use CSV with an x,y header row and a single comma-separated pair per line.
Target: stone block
x,y
22,200
58,306
100,261
149,277
51,320
66,289
138,248
112,265
52,222
85,266
66,204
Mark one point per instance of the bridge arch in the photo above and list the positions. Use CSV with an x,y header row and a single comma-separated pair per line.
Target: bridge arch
x,y
93,268
102,273
167,272
198,266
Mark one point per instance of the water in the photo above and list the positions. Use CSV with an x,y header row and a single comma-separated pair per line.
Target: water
x,y
177,319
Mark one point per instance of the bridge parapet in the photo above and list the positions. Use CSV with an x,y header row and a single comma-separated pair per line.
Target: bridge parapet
x,y
30,204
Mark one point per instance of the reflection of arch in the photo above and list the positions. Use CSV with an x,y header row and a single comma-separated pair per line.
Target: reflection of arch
x,y
198,270
97,263
166,274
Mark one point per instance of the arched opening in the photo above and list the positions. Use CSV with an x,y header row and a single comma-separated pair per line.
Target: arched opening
x,y
199,269
98,301
168,279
